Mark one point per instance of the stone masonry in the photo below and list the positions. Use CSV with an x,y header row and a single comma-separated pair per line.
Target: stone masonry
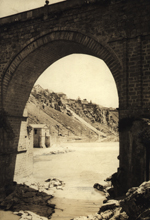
x,y
116,31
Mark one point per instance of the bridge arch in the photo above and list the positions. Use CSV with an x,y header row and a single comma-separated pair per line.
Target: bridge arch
x,y
36,56
33,40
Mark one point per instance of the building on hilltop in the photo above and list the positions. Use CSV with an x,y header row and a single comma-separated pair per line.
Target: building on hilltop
x,y
84,102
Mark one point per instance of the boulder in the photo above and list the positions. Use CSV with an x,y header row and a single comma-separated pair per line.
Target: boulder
x,y
107,214
98,187
137,200
59,187
116,214
25,198
123,216
111,204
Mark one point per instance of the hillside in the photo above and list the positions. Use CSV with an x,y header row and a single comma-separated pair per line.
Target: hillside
x,y
103,119
70,119
62,127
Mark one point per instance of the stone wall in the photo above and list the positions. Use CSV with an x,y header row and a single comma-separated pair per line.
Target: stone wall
x,y
24,158
115,31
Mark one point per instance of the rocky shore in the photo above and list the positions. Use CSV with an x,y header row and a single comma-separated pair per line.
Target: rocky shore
x,y
39,199
32,200
134,206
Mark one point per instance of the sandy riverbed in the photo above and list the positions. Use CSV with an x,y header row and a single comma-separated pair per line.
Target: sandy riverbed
x,y
83,165
87,164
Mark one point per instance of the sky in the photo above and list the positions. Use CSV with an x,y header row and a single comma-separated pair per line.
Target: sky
x,y
76,75
83,76
9,7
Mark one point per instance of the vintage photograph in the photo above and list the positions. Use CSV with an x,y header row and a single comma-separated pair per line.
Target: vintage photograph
x,y
75,110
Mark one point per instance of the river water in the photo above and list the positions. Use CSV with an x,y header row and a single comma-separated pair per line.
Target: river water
x,y
80,169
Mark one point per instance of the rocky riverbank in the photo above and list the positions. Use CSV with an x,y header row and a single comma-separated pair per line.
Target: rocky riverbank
x,y
78,168
135,206
32,200
35,199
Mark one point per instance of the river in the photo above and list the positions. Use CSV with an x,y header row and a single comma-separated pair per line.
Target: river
x,y
80,169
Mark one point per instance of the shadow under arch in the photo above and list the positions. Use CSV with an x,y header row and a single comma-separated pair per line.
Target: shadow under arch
x,y
30,63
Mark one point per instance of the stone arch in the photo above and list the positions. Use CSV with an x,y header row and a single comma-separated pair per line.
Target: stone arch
x,y
29,64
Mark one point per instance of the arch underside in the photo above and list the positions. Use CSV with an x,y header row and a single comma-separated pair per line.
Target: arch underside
x,y
38,56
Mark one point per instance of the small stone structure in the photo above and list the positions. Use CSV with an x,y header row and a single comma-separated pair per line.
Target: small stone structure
x,y
41,136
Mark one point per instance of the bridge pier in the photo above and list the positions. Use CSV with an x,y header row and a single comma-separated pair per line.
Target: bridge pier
x,y
134,166
16,151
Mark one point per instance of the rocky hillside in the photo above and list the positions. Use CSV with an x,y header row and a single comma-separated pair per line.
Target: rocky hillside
x,y
62,127
56,110
103,119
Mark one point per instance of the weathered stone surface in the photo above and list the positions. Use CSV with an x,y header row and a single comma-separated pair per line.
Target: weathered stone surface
x,y
107,214
144,215
137,200
48,186
99,187
116,214
23,198
123,216
111,204
133,189
28,215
